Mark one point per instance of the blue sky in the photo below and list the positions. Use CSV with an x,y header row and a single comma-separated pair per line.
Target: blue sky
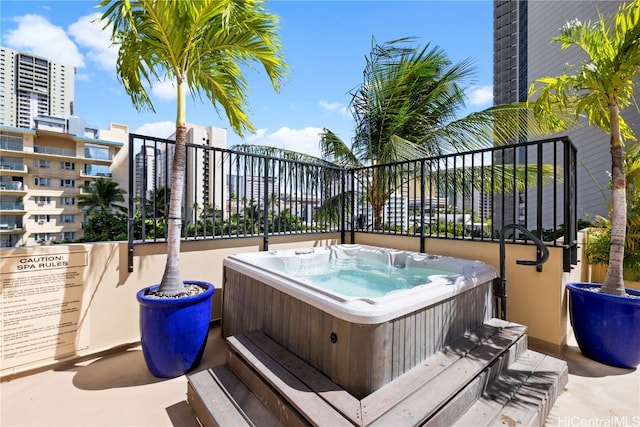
x,y
324,42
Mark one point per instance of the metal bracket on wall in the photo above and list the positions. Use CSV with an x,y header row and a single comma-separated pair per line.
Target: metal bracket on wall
x,y
500,283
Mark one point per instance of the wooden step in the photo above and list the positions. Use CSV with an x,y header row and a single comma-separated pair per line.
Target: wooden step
x,y
445,381
467,396
376,404
309,404
219,398
524,394
487,377
334,395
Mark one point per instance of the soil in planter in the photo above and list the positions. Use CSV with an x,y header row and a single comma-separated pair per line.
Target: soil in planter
x,y
597,290
189,291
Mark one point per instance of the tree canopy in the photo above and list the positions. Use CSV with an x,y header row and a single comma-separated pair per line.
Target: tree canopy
x,y
205,46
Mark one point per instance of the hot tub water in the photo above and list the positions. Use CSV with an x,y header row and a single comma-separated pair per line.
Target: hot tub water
x,y
367,278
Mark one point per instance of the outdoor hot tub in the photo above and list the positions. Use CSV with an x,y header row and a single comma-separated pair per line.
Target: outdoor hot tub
x,y
361,315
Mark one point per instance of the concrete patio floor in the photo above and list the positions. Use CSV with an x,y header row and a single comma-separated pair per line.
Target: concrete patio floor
x,y
117,390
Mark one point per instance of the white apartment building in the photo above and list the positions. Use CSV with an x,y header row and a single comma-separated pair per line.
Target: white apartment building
x,y
31,86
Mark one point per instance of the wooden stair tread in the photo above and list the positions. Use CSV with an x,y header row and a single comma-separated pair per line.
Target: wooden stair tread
x,y
524,392
329,391
211,403
427,399
486,378
469,394
531,405
376,404
297,393
249,403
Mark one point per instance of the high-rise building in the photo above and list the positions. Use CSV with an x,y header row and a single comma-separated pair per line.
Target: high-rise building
x,y
47,155
145,171
523,52
31,86
203,178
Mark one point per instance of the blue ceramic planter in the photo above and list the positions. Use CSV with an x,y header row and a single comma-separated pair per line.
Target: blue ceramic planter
x,y
606,327
174,330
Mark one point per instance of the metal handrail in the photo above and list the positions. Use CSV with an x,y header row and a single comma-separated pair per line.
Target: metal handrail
x,y
500,283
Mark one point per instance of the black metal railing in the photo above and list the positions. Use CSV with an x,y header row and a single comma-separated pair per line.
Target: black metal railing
x,y
471,195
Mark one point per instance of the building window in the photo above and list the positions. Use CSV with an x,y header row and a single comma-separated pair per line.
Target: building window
x,y
92,151
42,200
67,201
41,219
96,170
68,235
67,183
43,164
42,182
67,218
42,237
69,166
11,141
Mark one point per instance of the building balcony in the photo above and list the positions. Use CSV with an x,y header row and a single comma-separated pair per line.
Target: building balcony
x,y
11,228
99,156
13,168
12,186
95,174
11,206
11,146
54,151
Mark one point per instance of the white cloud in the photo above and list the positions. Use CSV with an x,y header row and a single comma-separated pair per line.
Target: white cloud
x,y
83,77
305,140
157,129
481,95
165,90
37,35
335,106
87,31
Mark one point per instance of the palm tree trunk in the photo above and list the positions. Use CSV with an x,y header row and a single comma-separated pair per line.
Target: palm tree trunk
x,y
378,211
613,282
171,283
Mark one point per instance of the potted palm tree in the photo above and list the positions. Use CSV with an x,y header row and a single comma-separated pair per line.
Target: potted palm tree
x,y
200,45
599,236
606,317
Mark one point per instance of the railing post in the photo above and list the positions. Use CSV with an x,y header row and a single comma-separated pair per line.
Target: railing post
x,y
353,205
539,199
130,213
343,192
265,211
570,253
422,196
